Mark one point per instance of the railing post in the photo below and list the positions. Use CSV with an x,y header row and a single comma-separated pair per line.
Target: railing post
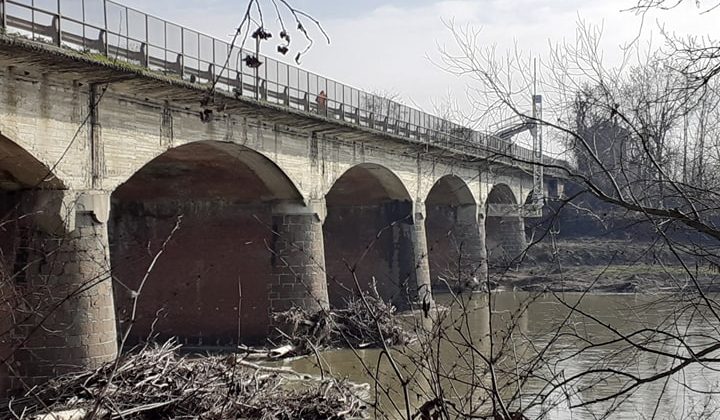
x,y
146,53
257,70
84,20
59,25
182,54
3,17
107,35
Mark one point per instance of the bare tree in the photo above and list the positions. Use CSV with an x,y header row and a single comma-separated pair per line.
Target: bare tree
x,y
637,135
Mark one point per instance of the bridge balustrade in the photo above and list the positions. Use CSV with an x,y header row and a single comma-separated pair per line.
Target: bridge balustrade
x,y
117,32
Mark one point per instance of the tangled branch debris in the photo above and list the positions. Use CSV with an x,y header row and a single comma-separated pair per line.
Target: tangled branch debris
x,y
366,322
157,383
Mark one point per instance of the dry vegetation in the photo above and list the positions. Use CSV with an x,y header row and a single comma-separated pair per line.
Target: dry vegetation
x,y
157,383
365,322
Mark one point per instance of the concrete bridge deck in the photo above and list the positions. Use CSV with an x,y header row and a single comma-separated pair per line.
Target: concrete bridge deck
x,y
279,202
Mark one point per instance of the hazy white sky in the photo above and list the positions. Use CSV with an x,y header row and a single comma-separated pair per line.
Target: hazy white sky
x,y
389,45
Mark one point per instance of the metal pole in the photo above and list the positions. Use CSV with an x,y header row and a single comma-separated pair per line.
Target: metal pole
x,y
82,4
127,33
182,52
147,43
59,28
537,153
3,21
107,33
212,67
257,69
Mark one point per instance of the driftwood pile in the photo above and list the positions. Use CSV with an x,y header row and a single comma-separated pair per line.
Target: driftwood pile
x,y
366,322
157,383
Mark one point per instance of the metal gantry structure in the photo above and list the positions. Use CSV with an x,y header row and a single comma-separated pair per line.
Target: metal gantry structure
x,y
121,33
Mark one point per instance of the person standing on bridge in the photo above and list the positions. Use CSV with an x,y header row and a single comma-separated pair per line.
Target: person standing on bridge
x,y
321,100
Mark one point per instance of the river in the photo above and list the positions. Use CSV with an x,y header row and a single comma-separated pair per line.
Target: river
x,y
458,356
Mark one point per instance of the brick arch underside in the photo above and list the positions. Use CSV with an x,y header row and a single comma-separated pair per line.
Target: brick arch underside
x,y
447,234
211,285
20,172
504,236
367,235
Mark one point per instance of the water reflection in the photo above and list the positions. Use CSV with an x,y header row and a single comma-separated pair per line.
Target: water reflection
x,y
451,358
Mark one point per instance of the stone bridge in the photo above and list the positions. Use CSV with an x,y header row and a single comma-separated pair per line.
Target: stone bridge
x,y
135,205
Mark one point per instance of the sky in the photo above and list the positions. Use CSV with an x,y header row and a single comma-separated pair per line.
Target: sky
x,y
392,46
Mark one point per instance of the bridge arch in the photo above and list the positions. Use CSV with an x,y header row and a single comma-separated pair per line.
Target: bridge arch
x,y
21,170
380,182
450,190
504,227
367,234
213,283
456,249
21,175
279,184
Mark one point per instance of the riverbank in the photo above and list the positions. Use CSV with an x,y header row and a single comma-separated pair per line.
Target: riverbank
x,y
640,278
611,266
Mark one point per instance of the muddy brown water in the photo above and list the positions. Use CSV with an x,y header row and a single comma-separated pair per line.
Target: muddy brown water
x,y
683,395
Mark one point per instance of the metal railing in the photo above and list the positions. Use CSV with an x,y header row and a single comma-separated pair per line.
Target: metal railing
x,y
123,33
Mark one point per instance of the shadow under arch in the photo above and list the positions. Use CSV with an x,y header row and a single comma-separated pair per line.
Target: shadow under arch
x,y
504,227
26,256
456,251
20,170
450,190
368,235
20,173
211,287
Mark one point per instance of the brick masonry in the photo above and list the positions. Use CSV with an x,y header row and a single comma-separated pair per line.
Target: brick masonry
x,y
64,312
298,263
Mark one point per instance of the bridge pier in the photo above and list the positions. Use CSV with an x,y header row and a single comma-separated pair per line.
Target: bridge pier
x,y
62,302
470,234
458,245
506,239
377,242
514,241
422,256
505,227
298,257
